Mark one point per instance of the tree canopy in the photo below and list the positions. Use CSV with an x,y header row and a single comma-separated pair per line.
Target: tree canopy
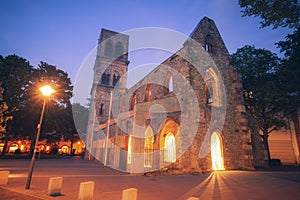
x,y
4,114
282,13
21,83
278,13
265,96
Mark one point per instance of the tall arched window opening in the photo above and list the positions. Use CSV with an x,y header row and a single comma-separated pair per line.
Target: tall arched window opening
x,y
148,93
170,148
133,102
101,109
115,79
212,88
208,44
129,150
169,82
148,147
105,79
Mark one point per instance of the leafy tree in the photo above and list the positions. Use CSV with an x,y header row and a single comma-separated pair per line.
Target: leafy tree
x,y
15,77
68,126
265,99
21,84
290,70
282,13
57,105
4,114
279,13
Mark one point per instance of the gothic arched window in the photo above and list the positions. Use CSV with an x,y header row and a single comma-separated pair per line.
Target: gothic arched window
x,y
115,79
149,147
169,82
133,102
212,88
208,44
101,109
105,79
148,93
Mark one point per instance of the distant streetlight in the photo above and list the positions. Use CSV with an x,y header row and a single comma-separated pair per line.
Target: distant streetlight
x,y
46,91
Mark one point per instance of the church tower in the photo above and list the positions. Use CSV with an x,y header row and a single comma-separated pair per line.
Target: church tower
x,y
110,71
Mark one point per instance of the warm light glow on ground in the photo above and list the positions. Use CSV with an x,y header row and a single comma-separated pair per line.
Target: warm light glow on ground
x,y
216,152
47,90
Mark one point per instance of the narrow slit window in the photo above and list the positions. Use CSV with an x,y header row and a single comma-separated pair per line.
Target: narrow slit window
x,y
171,84
101,110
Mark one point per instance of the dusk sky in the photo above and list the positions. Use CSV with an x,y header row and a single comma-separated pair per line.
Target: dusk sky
x,y
62,33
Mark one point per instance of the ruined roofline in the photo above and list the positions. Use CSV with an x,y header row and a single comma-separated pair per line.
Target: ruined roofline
x,y
199,24
105,32
178,51
112,32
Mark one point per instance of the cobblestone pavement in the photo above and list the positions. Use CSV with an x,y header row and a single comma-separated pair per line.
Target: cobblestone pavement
x,y
257,185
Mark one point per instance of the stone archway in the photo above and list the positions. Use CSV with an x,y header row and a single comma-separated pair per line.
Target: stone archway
x,y
168,142
217,158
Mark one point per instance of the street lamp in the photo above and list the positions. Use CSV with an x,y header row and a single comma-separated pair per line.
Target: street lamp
x,y
46,91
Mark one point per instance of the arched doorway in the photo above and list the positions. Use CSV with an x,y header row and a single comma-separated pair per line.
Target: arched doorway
x,y
129,149
170,148
217,159
13,147
149,147
168,142
65,149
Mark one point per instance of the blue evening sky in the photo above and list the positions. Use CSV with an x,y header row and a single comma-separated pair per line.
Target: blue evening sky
x,y
63,32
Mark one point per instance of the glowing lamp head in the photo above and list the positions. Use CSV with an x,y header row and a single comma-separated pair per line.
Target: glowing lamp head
x,y
47,90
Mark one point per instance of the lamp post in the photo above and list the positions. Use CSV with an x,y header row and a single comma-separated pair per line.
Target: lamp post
x,y
46,91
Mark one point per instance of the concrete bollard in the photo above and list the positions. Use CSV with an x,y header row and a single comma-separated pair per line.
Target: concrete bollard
x,y
4,177
129,194
193,198
54,186
86,190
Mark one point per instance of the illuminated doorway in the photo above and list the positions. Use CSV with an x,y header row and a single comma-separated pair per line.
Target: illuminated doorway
x,y
149,147
217,152
129,150
1,147
170,148
13,148
168,142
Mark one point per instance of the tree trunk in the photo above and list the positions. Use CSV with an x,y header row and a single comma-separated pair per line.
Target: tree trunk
x,y
266,143
7,134
71,146
295,119
5,145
